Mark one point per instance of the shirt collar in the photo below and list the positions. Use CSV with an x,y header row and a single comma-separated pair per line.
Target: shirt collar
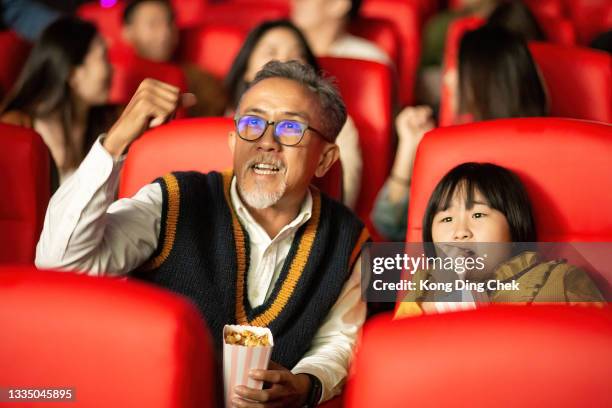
x,y
247,220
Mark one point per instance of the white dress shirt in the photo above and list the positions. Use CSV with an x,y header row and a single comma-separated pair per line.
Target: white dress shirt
x,y
85,230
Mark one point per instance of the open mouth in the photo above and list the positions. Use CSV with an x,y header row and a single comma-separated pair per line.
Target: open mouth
x,y
265,169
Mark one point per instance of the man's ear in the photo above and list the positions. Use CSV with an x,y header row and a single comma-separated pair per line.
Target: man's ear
x,y
339,8
329,155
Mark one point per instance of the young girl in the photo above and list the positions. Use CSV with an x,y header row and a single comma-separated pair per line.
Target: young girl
x,y
497,79
477,203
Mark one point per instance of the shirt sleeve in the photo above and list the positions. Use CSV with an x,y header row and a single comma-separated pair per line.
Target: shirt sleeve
x,y
389,218
351,160
332,347
85,230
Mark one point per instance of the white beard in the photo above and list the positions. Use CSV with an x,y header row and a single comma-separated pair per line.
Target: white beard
x,y
260,199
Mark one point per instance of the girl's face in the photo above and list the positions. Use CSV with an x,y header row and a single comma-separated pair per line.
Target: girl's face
x,y
480,223
278,44
470,230
90,81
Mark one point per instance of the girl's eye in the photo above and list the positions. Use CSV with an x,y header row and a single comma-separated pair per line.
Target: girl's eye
x,y
446,219
478,215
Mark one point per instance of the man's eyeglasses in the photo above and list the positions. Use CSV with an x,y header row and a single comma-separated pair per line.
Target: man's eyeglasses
x,y
286,132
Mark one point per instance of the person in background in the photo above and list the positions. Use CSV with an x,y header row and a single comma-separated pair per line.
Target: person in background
x,y
28,18
149,27
497,79
485,203
516,17
434,41
280,40
325,23
66,77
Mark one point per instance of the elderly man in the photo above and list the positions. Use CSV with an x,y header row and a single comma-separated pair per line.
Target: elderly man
x,y
257,246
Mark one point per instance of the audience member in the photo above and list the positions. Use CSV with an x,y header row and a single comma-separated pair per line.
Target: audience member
x,y
251,246
149,27
325,22
65,77
280,40
484,203
497,79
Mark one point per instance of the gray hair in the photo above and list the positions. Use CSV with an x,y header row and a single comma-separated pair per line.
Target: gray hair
x,y
332,105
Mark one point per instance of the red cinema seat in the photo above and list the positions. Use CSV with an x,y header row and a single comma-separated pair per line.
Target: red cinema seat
x,y
24,164
367,91
558,30
246,14
590,17
192,144
14,52
405,18
107,19
502,356
129,71
578,80
382,33
189,13
212,47
563,163
115,343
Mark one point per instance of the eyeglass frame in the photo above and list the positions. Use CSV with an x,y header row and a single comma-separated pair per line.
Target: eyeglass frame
x,y
275,122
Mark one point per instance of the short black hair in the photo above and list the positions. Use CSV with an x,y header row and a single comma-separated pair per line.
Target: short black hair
x,y
501,188
498,77
235,84
132,5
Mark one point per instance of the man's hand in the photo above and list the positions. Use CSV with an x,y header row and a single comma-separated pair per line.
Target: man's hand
x,y
286,389
153,103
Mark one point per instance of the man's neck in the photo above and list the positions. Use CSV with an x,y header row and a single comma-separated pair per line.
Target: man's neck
x,y
322,37
274,218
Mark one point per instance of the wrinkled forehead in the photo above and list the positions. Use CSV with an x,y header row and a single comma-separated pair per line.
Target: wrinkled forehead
x,y
275,96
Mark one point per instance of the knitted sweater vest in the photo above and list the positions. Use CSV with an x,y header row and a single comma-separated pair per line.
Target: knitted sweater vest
x,y
203,253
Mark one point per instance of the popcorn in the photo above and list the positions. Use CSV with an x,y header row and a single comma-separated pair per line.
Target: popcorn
x,y
244,348
246,338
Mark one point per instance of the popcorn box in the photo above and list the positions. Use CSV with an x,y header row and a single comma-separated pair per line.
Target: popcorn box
x,y
238,359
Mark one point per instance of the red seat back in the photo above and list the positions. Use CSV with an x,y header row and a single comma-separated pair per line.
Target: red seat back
x,y
503,356
382,33
366,88
115,343
590,17
24,164
194,144
563,163
213,47
578,80
14,52
106,19
129,71
405,17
